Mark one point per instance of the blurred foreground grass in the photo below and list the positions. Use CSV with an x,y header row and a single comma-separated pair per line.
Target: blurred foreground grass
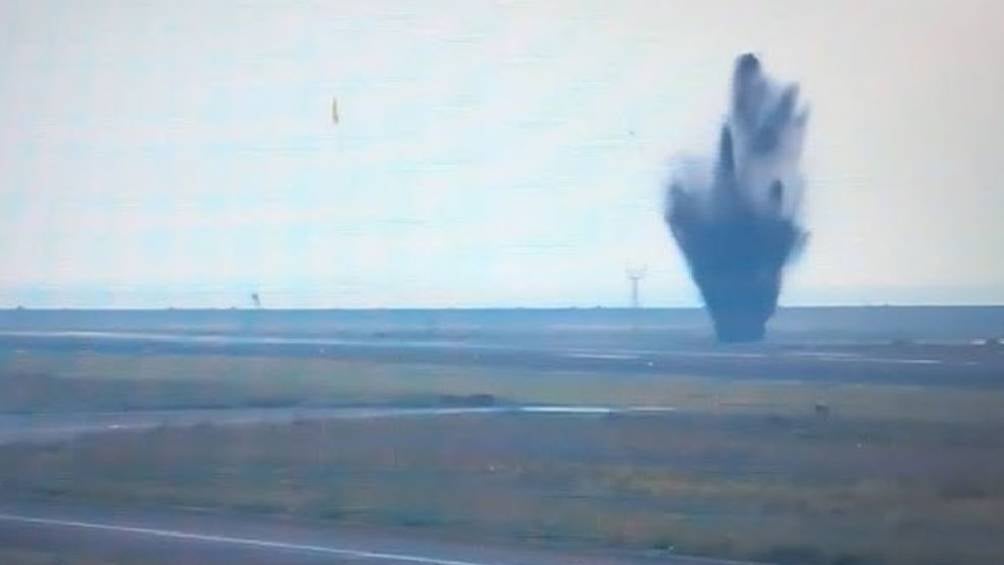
x,y
14,556
887,474
788,490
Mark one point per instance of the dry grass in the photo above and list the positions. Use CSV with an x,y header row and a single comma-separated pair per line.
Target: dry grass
x,y
895,475
14,556
32,381
789,490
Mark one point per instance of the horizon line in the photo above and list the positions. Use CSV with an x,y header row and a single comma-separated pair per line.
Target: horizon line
x,y
21,308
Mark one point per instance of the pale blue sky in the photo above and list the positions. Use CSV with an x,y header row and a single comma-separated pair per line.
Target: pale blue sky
x,y
489,153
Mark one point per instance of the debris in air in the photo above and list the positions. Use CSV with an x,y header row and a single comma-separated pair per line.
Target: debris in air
x,y
737,225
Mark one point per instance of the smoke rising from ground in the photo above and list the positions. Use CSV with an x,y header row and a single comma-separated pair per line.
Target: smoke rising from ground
x,y
737,226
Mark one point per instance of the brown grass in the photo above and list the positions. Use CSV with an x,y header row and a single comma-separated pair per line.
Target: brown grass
x,y
792,491
896,474
31,381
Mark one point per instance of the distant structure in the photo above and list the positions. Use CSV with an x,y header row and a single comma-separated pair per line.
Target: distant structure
x,y
334,110
635,275
256,300
822,410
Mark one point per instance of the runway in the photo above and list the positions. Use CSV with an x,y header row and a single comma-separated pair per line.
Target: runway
x,y
912,363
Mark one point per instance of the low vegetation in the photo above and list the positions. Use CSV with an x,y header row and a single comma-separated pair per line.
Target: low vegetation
x,y
35,557
789,490
88,381
807,472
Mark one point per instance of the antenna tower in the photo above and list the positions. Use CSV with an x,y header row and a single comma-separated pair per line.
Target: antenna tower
x,y
635,275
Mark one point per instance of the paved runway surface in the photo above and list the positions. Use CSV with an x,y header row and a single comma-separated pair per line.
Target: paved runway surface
x,y
929,364
186,537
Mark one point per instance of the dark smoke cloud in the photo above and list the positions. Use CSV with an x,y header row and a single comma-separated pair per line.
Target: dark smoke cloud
x,y
737,227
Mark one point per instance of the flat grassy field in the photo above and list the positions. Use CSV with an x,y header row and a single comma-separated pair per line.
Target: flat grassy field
x,y
34,557
789,490
85,381
890,474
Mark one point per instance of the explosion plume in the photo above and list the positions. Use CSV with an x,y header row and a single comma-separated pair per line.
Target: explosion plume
x,y
737,227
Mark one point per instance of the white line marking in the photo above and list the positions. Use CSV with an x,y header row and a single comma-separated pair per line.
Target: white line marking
x,y
903,361
249,542
824,354
566,409
600,356
881,360
650,409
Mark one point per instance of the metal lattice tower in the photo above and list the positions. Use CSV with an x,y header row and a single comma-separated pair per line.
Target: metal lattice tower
x,y
635,275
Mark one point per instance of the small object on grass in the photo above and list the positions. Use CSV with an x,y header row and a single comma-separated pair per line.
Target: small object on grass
x,y
822,410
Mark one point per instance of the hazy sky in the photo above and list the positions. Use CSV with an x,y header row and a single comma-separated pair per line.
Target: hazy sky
x,y
488,154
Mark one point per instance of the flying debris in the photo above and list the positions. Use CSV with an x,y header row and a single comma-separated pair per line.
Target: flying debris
x,y
256,300
334,110
737,226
